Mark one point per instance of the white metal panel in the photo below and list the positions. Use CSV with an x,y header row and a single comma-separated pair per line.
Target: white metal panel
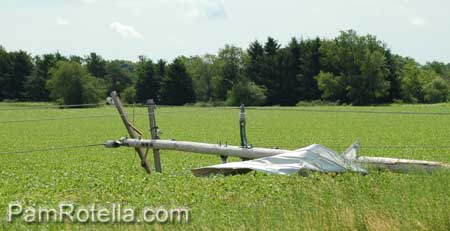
x,y
313,158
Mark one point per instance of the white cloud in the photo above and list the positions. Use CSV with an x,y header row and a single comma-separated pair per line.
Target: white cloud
x,y
125,31
62,21
417,21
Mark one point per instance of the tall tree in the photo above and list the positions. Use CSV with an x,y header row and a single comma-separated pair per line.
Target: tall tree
x,y
361,63
230,65
20,69
161,68
255,63
76,58
35,84
70,83
393,63
410,83
201,71
309,67
288,61
149,82
118,77
176,88
271,47
271,73
96,65
440,68
5,72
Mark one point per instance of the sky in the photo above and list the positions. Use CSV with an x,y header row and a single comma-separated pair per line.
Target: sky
x,y
125,29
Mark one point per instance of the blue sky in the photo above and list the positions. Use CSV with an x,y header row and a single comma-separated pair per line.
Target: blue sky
x,y
125,29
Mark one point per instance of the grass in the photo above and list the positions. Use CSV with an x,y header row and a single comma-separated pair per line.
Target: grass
x,y
378,201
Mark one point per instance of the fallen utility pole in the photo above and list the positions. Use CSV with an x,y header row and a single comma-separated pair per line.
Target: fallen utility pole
x,y
194,147
382,163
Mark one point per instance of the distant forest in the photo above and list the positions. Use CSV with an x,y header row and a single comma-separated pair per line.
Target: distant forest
x,y
349,69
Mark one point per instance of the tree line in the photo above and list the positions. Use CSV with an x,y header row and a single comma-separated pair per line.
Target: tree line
x,y
348,69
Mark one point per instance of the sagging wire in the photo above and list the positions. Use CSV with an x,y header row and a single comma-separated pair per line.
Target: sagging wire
x,y
50,106
51,149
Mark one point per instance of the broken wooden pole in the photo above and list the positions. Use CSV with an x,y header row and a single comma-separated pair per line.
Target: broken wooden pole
x,y
154,133
131,130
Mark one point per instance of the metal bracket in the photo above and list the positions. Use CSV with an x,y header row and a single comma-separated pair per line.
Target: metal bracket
x,y
242,132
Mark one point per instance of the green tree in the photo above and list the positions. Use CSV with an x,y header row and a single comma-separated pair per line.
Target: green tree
x,y
263,68
202,71
35,84
5,72
176,87
255,63
440,68
76,58
394,65
288,69
129,95
118,77
70,83
271,73
149,81
331,86
271,47
229,66
246,92
436,91
15,68
372,83
410,85
309,67
161,68
96,65
361,63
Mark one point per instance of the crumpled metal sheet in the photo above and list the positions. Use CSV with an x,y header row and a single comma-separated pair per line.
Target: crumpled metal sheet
x,y
312,158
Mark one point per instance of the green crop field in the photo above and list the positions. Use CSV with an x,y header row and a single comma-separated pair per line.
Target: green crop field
x,y
255,201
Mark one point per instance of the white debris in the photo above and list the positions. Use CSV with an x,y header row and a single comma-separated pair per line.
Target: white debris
x,y
312,158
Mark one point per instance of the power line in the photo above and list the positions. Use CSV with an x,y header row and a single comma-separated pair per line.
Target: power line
x,y
348,111
49,107
50,149
57,118
195,109
88,117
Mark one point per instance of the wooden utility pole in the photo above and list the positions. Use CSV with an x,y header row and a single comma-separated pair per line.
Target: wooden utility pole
x,y
132,131
154,133
391,164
